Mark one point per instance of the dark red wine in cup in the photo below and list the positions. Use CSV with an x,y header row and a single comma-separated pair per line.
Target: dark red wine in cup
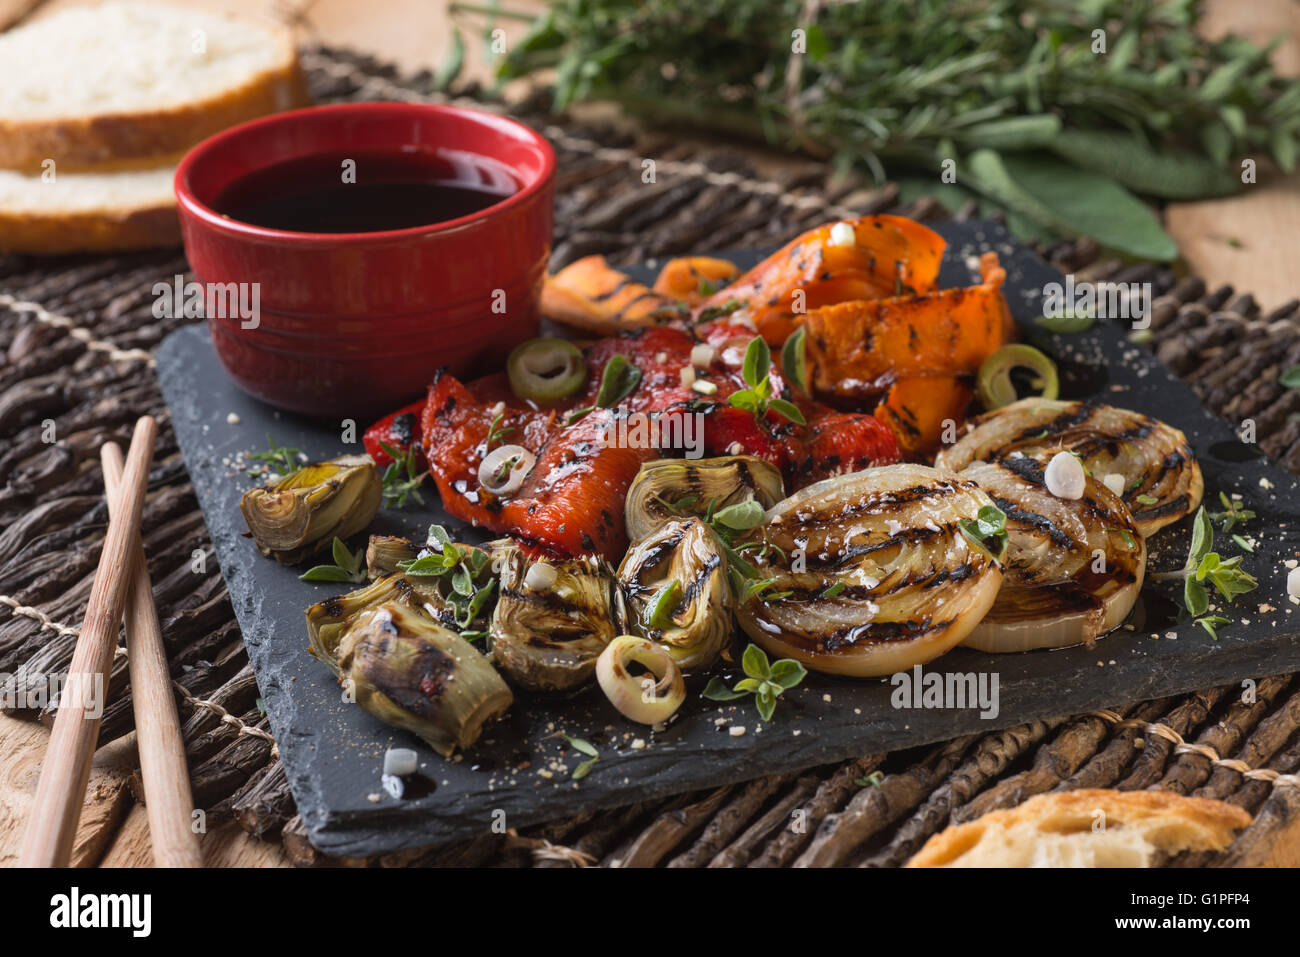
x,y
360,191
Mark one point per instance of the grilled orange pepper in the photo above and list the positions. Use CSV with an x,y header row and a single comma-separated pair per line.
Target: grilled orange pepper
x,y
593,296
684,278
858,349
888,256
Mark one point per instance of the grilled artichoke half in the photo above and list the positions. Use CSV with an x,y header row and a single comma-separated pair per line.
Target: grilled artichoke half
x,y
1073,567
301,513
878,573
412,673
329,619
1162,480
668,489
675,581
383,552
553,618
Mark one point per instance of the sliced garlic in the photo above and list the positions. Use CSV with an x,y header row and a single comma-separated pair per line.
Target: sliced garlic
x,y
688,376
704,387
1115,482
1064,476
702,356
540,576
843,234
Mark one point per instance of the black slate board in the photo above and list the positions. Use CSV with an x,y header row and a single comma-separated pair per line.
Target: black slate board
x,y
333,752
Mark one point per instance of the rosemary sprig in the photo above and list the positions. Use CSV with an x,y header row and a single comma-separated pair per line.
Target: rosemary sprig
x,y
496,432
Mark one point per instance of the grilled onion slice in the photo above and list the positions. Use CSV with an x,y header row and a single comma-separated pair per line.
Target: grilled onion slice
x,y
546,636
412,673
303,512
1073,567
890,580
1161,476
668,489
675,580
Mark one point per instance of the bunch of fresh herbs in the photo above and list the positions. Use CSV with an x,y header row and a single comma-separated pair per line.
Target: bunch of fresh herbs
x,y
1057,111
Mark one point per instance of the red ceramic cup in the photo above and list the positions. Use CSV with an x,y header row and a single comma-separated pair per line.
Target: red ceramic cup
x,y
356,324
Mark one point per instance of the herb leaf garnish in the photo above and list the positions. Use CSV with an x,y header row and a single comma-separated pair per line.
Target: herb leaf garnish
x,y
402,478
987,531
758,397
618,380
347,567
766,681
794,360
461,566
280,459
1206,569
582,746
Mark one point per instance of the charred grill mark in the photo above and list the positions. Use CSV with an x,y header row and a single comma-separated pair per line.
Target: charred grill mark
x,y
549,601
910,536
1024,468
1175,506
661,550
1024,516
885,502
612,291
699,582
403,428
628,305
880,632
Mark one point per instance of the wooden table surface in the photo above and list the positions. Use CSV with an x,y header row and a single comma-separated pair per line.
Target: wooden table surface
x,y
1250,241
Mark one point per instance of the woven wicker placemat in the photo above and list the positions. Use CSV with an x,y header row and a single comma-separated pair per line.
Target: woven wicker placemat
x,y
78,335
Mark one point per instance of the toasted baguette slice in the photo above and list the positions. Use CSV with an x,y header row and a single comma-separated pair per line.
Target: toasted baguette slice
x,y
1133,829
94,85
88,212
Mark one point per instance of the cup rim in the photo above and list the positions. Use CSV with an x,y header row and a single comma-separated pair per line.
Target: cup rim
x,y
192,205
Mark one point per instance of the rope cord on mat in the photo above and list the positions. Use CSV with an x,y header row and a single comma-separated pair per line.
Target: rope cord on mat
x,y
386,89
241,728
82,335
1182,746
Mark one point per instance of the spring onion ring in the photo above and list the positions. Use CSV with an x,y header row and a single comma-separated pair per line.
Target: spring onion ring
x,y
546,369
503,469
994,385
642,698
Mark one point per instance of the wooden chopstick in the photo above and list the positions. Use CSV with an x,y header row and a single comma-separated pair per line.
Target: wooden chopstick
x,y
61,790
168,800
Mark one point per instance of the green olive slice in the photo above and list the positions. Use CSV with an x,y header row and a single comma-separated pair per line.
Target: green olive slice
x,y
994,385
546,369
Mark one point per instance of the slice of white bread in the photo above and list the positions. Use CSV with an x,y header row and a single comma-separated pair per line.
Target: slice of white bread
x,y
1087,828
88,212
126,81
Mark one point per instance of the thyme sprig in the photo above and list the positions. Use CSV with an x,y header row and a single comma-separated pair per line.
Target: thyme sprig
x,y
461,566
402,478
281,459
